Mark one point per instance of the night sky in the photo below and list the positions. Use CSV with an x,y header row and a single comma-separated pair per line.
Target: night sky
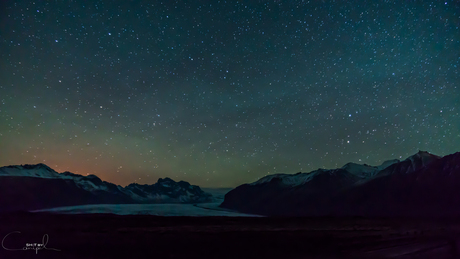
x,y
221,93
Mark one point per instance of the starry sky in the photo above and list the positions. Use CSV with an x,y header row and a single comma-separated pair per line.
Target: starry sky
x,y
221,93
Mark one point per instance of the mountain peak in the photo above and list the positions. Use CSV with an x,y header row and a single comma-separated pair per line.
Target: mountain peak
x,y
423,153
165,179
38,166
423,156
361,170
37,170
351,165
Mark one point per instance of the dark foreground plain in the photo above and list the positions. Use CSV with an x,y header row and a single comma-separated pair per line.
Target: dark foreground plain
x,y
142,236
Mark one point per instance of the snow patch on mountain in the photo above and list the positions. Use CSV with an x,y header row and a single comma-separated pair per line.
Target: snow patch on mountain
x,y
359,170
366,171
39,170
288,179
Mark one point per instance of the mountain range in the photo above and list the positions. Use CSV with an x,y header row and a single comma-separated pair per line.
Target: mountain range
x,y
421,185
33,187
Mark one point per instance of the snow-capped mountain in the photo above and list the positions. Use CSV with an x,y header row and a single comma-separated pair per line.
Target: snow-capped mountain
x,y
39,170
410,164
30,187
366,171
167,190
361,171
89,183
393,188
